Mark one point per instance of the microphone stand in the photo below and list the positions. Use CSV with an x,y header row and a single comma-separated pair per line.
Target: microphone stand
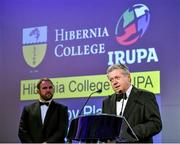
x,y
98,91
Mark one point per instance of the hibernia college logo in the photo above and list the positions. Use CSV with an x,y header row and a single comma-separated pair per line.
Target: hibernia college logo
x,y
132,24
34,45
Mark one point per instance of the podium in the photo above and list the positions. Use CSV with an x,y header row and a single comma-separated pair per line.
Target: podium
x,y
100,128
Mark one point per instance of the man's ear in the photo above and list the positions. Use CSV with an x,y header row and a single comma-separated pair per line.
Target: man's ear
x,y
129,76
37,91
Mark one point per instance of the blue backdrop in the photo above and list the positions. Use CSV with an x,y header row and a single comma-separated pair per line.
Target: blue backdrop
x,y
75,41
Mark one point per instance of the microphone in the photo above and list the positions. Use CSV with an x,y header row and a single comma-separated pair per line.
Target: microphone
x,y
98,91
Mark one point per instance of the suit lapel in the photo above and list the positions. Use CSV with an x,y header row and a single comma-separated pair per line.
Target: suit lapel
x,y
49,112
113,104
38,113
130,103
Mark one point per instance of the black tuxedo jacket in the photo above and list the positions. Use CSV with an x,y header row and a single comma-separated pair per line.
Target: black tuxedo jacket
x,y
141,111
54,128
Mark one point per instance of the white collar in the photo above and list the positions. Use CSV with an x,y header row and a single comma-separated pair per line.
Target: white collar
x,y
129,91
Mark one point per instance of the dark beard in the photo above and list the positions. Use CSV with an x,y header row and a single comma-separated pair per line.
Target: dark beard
x,y
47,97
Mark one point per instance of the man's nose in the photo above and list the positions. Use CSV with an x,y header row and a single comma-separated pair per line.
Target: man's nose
x,y
115,83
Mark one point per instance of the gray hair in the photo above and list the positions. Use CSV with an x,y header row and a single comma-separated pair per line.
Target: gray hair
x,y
118,66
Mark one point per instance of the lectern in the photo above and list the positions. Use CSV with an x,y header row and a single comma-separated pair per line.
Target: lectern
x,y
100,128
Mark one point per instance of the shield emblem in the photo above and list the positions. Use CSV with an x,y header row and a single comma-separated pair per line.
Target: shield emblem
x,y
34,54
34,45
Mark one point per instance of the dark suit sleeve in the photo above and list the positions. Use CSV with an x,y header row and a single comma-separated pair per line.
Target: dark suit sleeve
x,y
23,133
107,106
61,131
151,124
104,106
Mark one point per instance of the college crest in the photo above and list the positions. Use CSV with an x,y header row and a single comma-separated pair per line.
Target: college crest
x,y
34,45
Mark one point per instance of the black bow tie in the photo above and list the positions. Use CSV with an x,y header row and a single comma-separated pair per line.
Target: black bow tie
x,y
44,103
121,96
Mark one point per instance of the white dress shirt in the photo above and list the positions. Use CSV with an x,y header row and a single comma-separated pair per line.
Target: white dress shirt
x,y
44,109
119,104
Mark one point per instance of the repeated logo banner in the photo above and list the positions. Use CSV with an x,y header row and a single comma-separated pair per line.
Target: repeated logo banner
x,y
82,86
130,28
